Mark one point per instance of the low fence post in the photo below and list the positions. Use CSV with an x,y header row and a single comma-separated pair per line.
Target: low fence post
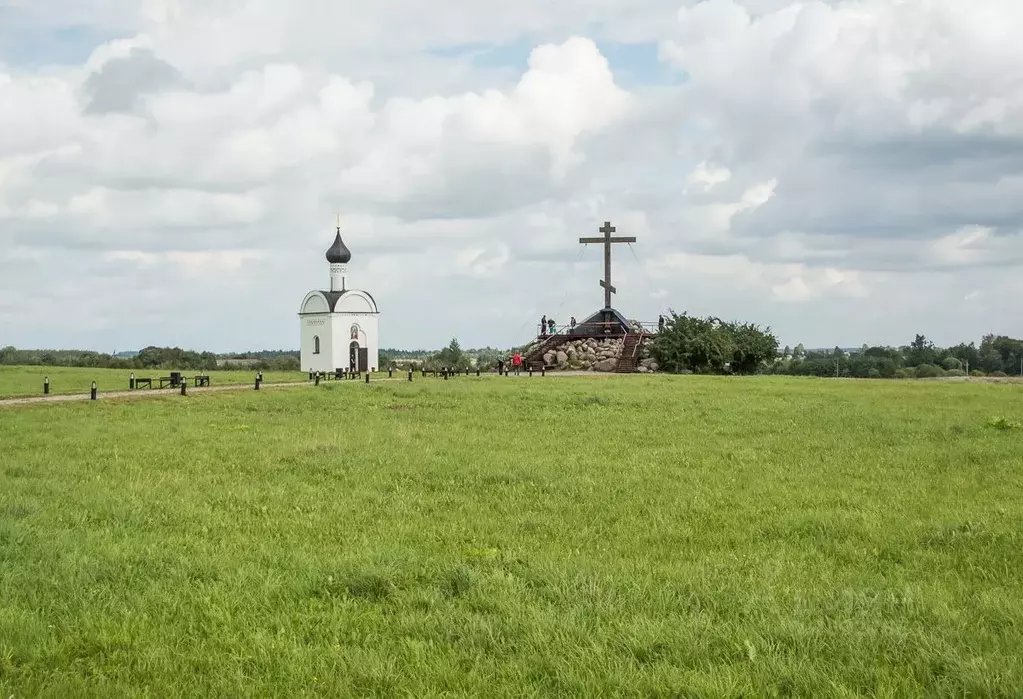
x,y
184,388
257,382
410,376
92,394
131,382
46,385
367,377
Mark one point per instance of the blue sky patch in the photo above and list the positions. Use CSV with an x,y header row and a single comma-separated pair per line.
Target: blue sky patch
x,y
25,43
632,64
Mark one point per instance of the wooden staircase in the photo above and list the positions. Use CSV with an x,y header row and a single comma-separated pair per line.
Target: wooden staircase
x,y
534,358
628,361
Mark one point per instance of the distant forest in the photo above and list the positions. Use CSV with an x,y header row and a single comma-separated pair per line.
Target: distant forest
x,y
687,345
182,359
996,355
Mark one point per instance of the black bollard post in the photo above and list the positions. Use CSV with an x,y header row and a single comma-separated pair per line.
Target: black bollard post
x,y
477,370
184,387
390,373
131,382
530,369
410,376
543,370
367,377
46,385
257,382
317,378
92,395
445,373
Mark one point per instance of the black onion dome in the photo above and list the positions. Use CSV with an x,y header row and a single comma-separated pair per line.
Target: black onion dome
x,y
338,253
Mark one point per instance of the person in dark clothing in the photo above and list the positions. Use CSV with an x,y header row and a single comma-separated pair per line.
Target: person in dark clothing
x,y
543,326
550,326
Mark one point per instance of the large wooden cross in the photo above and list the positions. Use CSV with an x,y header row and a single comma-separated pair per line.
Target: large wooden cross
x,y
607,229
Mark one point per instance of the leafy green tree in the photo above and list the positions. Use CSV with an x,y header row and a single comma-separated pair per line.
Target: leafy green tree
x,y
967,354
990,360
952,364
488,357
691,344
751,347
451,356
709,345
921,351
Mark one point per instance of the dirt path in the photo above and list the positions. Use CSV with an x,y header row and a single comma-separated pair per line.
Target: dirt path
x,y
141,393
147,393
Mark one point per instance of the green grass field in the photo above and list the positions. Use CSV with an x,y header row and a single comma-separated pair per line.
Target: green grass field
x,y
625,536
19,381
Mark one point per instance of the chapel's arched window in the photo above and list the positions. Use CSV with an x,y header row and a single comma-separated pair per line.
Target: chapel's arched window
x,y
316,344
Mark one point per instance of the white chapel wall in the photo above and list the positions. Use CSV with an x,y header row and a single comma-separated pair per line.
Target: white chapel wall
x,y
313,327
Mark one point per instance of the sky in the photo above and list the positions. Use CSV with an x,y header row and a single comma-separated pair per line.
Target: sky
x,y
843,172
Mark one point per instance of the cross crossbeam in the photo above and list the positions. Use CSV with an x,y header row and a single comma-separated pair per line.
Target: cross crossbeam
x,y
607,240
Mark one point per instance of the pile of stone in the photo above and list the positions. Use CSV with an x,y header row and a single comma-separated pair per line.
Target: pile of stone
x,y
585,355
646,362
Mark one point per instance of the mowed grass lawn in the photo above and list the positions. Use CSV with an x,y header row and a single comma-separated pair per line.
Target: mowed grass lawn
x,y
618,536
21,381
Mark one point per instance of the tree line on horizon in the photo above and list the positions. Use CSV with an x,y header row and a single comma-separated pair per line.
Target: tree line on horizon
x,y
176,358
153,358
713,346
687,344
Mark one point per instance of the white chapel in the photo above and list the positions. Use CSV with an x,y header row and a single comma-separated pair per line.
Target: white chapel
x,y
339,326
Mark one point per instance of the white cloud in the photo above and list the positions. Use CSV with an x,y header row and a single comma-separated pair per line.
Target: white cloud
x,y
844,171
962,247
706,176
204,263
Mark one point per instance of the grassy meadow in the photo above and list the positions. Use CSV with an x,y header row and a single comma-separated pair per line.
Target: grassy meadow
x,y
618,536
20,381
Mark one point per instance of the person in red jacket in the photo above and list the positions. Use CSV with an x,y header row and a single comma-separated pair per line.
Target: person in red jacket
x,y
517,362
